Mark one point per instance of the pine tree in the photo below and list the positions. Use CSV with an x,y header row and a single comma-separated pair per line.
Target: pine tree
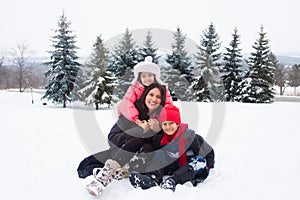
x,y
63,65
231,69
100,84
179,58
257,85
80,79
148,49
177,84
124,58
180,61
207,84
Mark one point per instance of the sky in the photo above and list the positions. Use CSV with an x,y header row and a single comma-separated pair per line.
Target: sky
x,y
33,21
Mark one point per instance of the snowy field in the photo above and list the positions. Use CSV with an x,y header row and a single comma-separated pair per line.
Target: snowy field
x,y
257,153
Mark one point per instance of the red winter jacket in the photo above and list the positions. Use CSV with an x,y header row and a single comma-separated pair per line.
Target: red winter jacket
x,y
126,105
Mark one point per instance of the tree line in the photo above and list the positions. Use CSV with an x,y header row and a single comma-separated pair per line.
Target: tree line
x,y
209,75
19,71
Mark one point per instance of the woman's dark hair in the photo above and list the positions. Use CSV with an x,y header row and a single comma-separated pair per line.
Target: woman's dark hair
x,y
140,103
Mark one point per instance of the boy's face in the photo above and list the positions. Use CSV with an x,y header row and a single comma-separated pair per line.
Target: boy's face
x,y
147,78
169,127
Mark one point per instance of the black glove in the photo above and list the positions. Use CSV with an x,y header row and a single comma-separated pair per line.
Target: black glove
x,y
200,177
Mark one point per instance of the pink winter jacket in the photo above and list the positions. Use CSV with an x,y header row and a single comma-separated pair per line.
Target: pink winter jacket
x,y
126,106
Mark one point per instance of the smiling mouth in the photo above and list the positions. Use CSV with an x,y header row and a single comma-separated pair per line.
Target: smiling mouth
x,y
169,132
152,103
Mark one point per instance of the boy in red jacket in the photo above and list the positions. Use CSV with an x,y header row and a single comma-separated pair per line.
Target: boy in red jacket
x,y
182,154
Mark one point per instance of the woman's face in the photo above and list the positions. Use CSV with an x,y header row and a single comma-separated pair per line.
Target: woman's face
x,y
153,99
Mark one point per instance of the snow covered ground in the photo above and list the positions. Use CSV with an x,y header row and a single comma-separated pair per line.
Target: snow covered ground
x,y
257,153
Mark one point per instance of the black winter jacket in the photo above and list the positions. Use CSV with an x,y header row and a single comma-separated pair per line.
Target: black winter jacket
x,y
198,146
129,136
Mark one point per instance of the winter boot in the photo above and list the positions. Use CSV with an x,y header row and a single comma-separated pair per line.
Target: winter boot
x,y
103,177
169,183
121,173
95,187
96,171
141,180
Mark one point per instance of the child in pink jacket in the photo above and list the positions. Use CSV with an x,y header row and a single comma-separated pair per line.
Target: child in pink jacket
x,y
145,73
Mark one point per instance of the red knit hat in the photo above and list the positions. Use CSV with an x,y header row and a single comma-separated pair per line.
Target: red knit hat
x,y
170,113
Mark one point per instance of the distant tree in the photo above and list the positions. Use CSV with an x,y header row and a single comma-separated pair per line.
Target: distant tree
x,y
207,84
1,60
257,85
6,74
179,58
124,58
100,84
20,60
232,68
148,49
294,77
280,73
36,77
63,64
2,73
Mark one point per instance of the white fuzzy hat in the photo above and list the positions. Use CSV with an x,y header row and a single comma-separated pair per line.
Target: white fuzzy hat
x,y
147,66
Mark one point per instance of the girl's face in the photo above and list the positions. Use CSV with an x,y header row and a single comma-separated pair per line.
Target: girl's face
x,y
169,127
153,99
147,78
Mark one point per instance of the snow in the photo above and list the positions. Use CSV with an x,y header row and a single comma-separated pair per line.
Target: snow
x,y
257,153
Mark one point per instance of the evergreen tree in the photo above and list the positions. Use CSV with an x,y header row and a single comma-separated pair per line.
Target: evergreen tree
x,y
80,80
177,84
148,49
100,84
179,58
231,70
63,65
207,84
178,74
294,77
257,85
124,58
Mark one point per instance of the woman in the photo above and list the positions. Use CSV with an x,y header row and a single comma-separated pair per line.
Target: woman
x,y
131,136
126,138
